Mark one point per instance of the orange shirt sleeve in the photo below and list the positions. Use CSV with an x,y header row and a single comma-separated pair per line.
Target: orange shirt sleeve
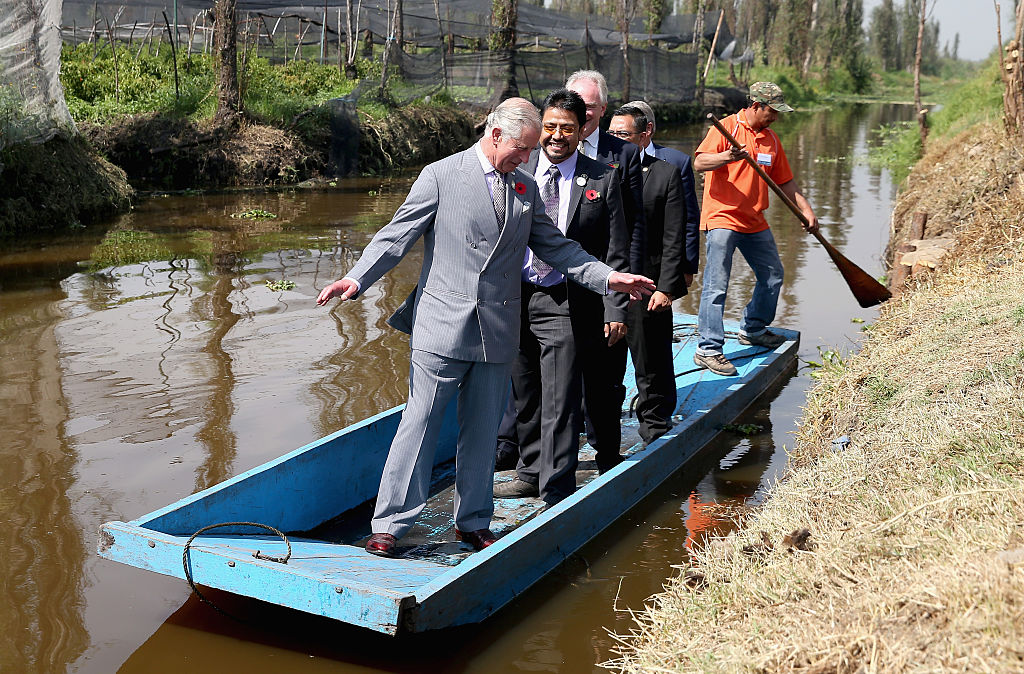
x,y
714,141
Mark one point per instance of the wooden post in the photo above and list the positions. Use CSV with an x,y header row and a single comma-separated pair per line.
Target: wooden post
x,y
174,57
714,41
323,36
441,44
113,53
901,272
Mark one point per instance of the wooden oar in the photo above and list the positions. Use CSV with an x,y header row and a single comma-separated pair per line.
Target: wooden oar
x,y
864,287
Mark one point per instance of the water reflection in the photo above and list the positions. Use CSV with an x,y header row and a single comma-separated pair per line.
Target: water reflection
x,y
146,359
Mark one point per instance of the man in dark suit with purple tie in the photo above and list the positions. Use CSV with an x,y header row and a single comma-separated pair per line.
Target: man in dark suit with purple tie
x,y
565,335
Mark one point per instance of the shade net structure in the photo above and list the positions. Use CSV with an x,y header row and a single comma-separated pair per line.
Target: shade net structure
x,y
444,46
32,108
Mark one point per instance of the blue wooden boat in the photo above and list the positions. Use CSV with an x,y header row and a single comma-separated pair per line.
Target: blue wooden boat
x,y
321,496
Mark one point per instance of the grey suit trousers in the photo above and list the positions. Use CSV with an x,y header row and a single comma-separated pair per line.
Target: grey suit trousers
x,y
433,381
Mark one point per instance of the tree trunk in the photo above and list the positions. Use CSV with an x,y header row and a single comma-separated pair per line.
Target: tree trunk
x,y
698,42
624,12
399,26
225,28
921,112
1013,79
810,40
504,16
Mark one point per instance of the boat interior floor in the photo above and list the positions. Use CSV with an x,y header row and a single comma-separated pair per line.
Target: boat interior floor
x,y
432,538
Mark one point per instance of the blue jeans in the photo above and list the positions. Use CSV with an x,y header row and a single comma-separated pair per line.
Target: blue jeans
x,y
763,257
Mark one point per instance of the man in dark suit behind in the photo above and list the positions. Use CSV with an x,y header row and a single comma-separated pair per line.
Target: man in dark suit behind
x,y
650,324
565,334
607,149
684,163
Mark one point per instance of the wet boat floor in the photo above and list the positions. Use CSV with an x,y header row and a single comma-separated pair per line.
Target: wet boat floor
x,y
432,538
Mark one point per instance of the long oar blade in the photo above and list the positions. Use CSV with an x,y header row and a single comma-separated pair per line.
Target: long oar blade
x,y
865,288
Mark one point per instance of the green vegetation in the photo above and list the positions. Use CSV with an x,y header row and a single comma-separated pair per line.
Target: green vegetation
x,y
280,285
974,100
272,94
254,214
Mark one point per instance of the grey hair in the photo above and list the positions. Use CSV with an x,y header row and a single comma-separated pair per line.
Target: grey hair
x,y
513,116
595,77
648,112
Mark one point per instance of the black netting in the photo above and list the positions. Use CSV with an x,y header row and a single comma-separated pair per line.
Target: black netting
x,y
550,44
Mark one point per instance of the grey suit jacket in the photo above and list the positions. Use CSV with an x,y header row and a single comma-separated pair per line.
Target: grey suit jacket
x,y
466,304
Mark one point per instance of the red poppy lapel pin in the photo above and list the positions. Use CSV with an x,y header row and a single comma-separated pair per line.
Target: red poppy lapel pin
x,y
520,188
592,195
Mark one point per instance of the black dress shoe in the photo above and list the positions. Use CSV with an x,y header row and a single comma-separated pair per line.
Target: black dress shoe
x,y
382,545
606,463
515,488
479,539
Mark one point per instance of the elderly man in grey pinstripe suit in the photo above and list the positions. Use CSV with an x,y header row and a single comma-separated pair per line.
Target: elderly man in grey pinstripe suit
x,y
477,213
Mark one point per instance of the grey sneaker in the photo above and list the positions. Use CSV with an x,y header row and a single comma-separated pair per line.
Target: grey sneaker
x,y
715,362
766,339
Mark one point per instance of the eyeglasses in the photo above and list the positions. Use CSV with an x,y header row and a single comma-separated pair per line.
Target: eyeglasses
x,y
566,129
622,134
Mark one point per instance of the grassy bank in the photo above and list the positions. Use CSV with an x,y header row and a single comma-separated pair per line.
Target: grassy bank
x,y
915,555
59,184
157,124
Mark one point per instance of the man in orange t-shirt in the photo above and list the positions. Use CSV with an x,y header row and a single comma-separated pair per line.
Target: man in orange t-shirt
x,y
732,216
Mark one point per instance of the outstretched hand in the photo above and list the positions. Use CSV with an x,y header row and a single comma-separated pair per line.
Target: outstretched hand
x,y
345,288
637,287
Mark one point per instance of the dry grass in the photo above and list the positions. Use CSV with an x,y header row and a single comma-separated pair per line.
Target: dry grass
x,y
916,558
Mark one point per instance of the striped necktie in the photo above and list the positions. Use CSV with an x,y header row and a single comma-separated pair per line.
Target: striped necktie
x,y
498,191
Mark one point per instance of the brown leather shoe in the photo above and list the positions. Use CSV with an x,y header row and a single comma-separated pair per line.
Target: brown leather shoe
x,y
381,544
479,539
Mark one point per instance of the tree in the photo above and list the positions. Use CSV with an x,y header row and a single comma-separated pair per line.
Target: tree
x,y
884,36
502,43
225,29
1013,79
922,122
625,10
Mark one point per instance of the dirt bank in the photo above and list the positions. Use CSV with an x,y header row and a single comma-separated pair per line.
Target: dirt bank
x,y
58,184
915,554
164,153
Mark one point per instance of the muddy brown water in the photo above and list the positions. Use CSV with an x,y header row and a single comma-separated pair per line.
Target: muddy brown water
x,y
144,359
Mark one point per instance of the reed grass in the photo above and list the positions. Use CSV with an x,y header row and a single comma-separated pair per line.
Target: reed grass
x,y
915,560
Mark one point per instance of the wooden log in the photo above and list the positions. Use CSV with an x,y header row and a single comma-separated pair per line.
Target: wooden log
x,y
917,225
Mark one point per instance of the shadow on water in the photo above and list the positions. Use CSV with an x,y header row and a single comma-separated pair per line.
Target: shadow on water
x,y
146,359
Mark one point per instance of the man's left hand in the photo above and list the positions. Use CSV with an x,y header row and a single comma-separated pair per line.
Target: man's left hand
x,y
614,332
659,302
812,225
637,287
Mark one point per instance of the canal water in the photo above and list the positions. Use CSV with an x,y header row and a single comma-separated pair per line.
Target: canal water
x,y
146,358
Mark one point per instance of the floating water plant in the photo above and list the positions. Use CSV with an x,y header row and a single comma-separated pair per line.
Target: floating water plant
x,y
281,284
255,214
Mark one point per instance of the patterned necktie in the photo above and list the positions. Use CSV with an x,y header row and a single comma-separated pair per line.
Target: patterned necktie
x,y
549,195
498,191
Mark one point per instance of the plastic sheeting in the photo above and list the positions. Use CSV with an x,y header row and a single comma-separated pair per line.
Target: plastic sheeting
x,y
32,107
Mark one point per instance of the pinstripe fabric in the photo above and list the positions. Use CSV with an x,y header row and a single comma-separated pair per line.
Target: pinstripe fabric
x,y
466,304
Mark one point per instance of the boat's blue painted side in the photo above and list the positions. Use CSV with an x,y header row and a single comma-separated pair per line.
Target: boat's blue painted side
x,y
302,489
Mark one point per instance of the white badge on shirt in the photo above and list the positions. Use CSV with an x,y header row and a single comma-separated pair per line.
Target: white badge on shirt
x,y
764,159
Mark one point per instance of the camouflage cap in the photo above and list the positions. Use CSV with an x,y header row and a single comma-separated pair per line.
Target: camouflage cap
x,y
770,94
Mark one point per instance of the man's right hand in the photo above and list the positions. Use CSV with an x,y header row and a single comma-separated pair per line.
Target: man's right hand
x,y
345,288
637,287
